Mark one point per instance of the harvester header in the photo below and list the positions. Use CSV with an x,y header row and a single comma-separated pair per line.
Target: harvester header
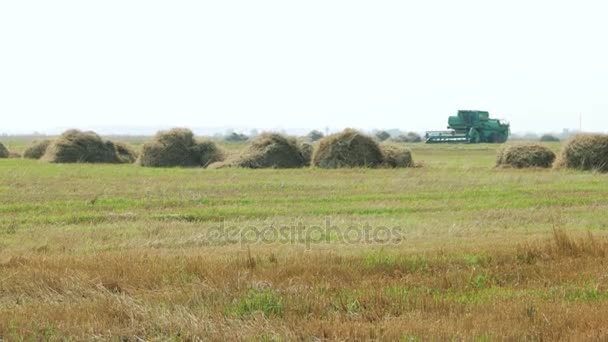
x,y
471,126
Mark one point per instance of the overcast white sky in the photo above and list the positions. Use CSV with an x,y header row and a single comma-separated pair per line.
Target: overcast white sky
x,y
302,64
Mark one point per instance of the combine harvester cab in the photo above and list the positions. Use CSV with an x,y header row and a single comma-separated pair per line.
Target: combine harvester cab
x,y
471,127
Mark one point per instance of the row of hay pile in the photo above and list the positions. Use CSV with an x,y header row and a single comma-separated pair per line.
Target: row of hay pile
x,y
581,152
5,153
347,149
179,147
74,146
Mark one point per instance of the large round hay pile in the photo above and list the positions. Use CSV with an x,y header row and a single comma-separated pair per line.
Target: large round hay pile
x,y
396,155
36,149
270,150
3,151
75,146
349,148
585,152
524,156
178,147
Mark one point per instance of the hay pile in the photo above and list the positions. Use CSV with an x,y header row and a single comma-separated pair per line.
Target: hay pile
x,y
395,155
14,155
3,151
270,150
307,149
524,156
178,147
585,152
348,148
36,149
126,153
75,146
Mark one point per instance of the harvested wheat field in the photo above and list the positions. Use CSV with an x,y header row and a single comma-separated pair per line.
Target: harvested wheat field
x,y
456,250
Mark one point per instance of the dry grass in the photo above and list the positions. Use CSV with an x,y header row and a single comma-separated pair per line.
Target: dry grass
x,y
264,292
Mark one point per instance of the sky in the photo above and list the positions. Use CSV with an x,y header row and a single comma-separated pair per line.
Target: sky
x,y
128,64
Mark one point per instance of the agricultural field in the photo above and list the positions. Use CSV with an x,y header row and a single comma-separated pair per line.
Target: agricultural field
x,y
453,249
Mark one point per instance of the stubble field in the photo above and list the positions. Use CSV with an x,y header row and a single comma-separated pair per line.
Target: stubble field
x,y
454,249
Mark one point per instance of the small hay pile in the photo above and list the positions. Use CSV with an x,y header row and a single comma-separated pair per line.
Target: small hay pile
x,y
585,152
75,146
270,150
396,156
348,148
36,149
178,147
3,151
524,156
126,153
14,155
306,149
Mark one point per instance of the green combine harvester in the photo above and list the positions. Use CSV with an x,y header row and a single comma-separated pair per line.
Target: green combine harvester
x,y
471,127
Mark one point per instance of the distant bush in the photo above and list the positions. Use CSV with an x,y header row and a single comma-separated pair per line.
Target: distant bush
x,y
348,148
585,152
3,151
382,135
36,149
14,155
524,155
395,155
270,150
178,147
549,138
236,137
410,137
75,146
314,135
